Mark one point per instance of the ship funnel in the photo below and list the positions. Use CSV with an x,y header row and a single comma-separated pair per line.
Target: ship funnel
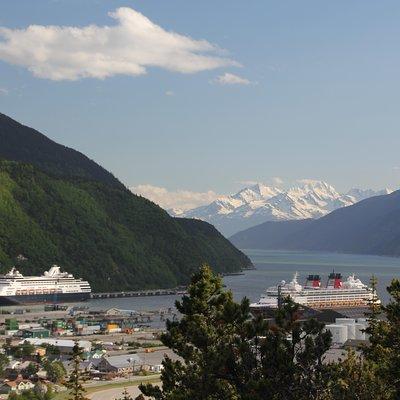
x,y
335,280
313,281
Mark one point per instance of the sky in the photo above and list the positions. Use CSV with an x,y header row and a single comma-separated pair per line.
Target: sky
x,y
187,100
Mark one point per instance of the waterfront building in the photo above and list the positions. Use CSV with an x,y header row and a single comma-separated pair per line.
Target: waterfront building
x,y
38,333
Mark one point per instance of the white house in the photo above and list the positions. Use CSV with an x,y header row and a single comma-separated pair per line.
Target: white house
x,y
17,386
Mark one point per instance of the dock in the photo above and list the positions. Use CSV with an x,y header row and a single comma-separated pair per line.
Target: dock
x,y
139,293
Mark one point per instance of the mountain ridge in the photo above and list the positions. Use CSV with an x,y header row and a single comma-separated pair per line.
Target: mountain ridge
x,y
260,203
68,211
22,143
371,226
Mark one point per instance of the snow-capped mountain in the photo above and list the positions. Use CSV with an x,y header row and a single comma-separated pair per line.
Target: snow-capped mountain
x,y
362,194
260,203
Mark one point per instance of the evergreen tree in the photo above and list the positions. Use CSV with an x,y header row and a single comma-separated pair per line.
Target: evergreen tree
x,y
125,395
291,355
356,378
208,339
77,377
32,395
55,371
30,370
384,349
3,363
228,355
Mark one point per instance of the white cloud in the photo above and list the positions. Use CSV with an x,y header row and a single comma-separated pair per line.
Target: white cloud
x,y
277,181
3,91
178,199
307,181
248,182
129,47
169,93
231,79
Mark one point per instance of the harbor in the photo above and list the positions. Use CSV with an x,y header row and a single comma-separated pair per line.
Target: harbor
x,y
140,293
120,331
150,308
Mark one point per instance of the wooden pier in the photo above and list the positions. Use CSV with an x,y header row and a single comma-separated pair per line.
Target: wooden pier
x,y
139,293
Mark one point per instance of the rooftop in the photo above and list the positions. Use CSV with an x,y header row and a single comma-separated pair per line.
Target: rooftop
x,y
125,360
85,344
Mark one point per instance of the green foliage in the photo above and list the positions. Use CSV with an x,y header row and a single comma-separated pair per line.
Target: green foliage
x,y
125,395
384,349
101,232
3,363
55,371
22,350
228,355
291,354
51,349
77,377
355,378
24,144
35,394
30,370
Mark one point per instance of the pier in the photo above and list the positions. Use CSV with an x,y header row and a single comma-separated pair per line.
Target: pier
x,y
139,293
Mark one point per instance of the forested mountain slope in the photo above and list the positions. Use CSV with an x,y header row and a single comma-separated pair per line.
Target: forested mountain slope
x,y
21,143
97,229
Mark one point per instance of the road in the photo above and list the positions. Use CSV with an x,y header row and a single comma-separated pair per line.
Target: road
x,y
116,393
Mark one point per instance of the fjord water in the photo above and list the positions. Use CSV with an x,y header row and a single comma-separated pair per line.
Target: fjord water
x,y
274,266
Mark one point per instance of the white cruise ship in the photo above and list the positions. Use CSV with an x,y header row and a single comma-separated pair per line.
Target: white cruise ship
x,y
335,294
53,286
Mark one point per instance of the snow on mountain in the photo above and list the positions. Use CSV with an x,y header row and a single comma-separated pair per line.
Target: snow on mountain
x,y
260,203
361,194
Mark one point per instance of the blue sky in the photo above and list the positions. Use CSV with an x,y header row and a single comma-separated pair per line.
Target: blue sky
x,y
318,98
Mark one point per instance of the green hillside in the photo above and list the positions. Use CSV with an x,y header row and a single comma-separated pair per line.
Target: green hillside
x,y
24,144
101,232
59,207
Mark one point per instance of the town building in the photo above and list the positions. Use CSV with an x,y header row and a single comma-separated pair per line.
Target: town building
x,y
36,333
122,364
17,386
63,345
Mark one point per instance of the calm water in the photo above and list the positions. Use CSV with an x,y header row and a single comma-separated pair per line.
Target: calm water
x,y
275,266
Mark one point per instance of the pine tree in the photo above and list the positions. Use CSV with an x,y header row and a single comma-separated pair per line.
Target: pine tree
x,y
376,327
77,377
384,349
356,378
229,355
125,395
291,355
208,338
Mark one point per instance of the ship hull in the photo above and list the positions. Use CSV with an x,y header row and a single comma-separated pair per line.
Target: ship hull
x,y
44,298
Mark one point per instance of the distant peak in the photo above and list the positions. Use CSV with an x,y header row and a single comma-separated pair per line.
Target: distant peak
x,y
361,194
314,183
258,191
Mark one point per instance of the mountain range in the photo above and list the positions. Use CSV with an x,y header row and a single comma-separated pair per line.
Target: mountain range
x,y
59,207
371,226
260,203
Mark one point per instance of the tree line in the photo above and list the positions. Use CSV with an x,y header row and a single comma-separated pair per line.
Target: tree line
x,y
226,354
